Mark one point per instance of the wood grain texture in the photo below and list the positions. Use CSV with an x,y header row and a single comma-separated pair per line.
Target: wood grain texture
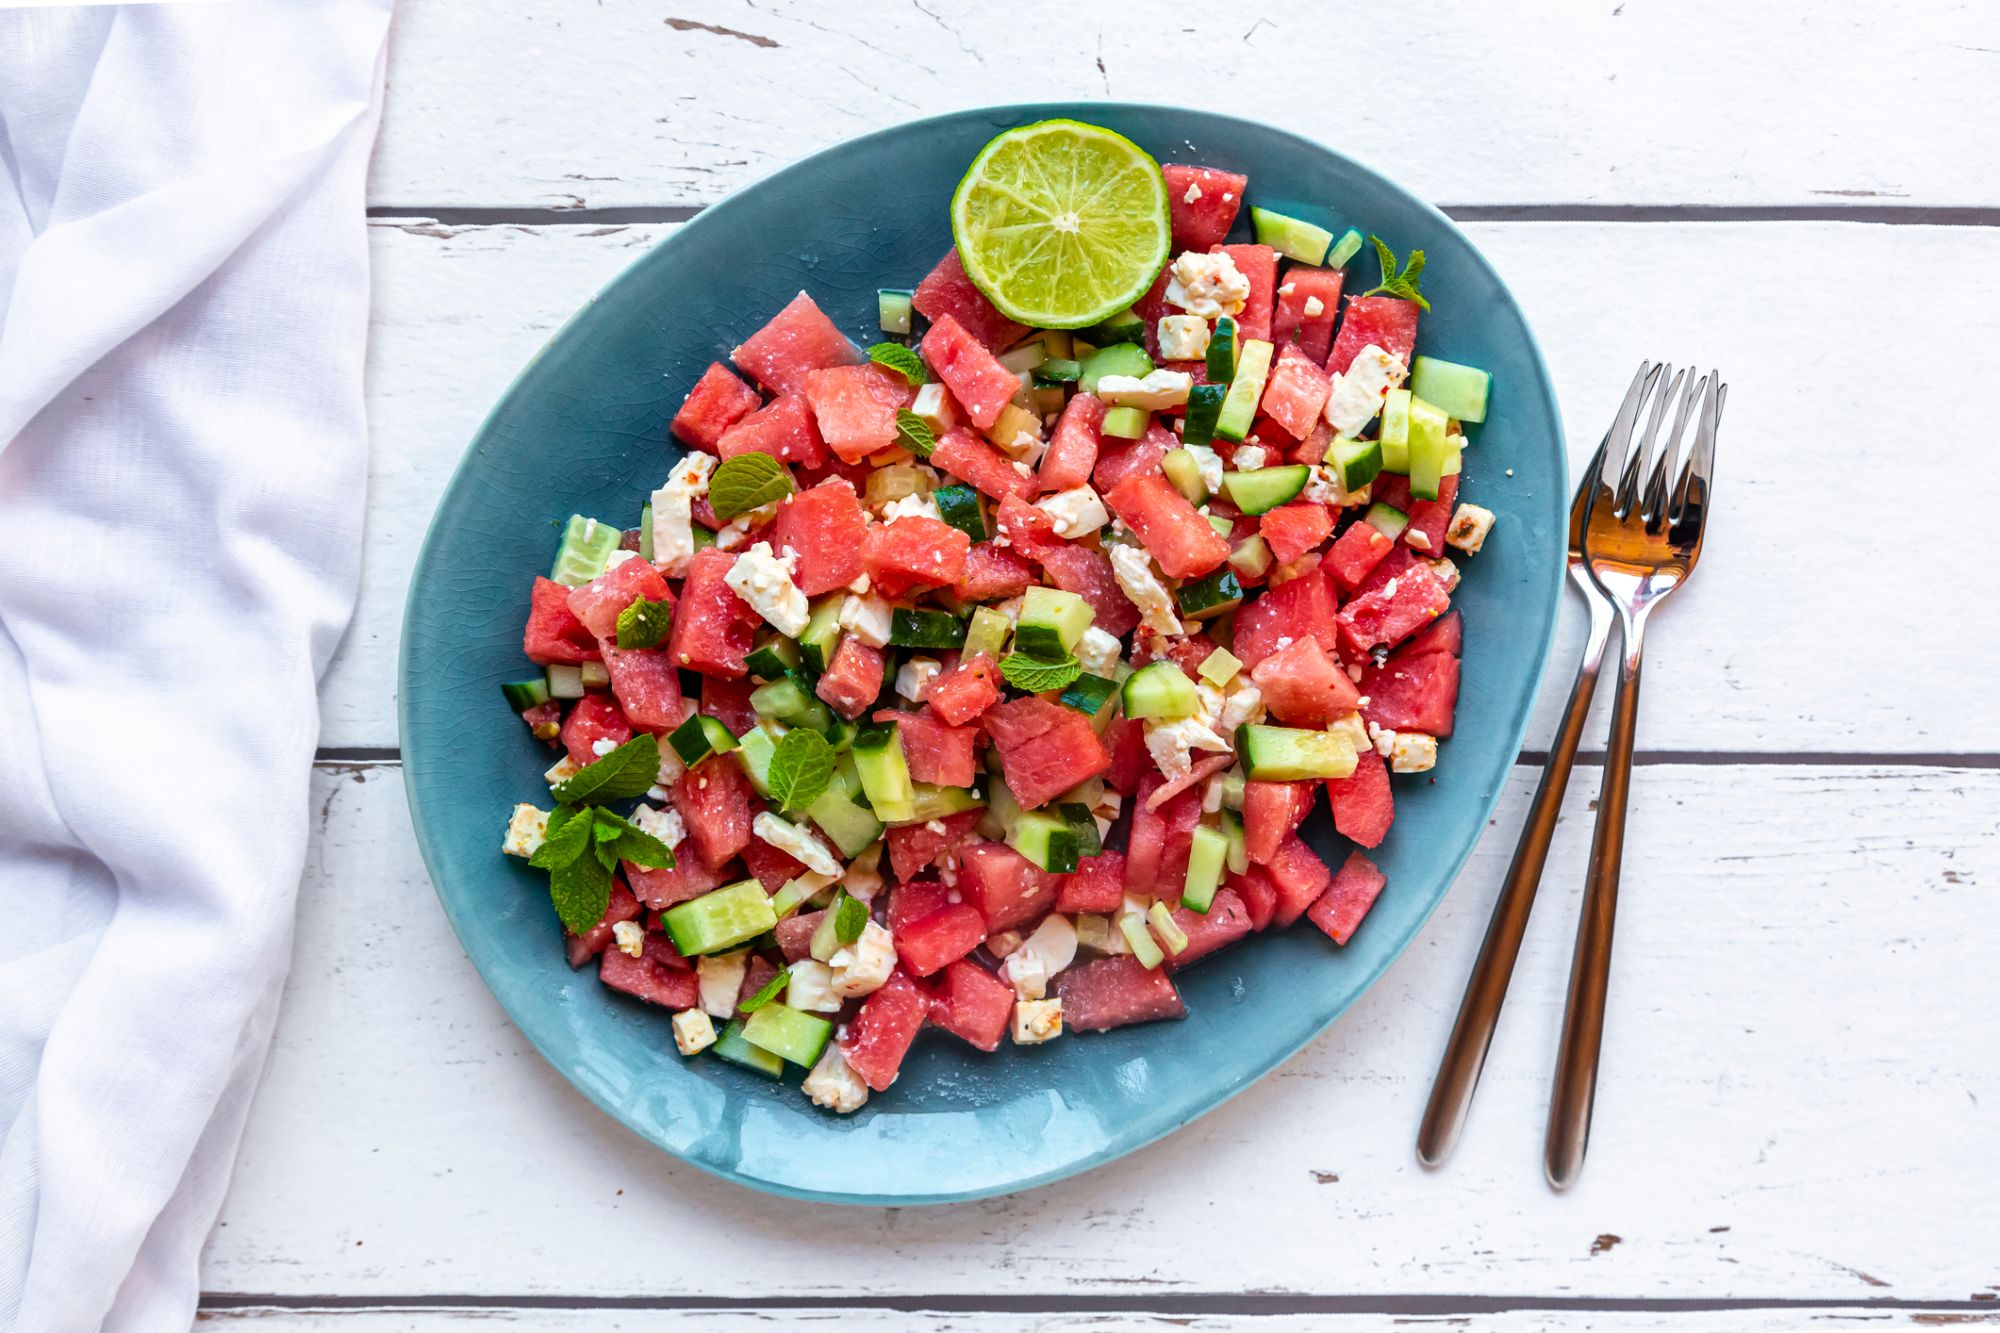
x,y
1799,1100
1787,640
1710,102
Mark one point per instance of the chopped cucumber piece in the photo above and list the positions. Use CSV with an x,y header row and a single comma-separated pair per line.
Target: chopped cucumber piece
x,y
1159,689
1223,527
1172,938
821,634
1458,391
586,548
925,629
1290,754
1121,328
1386,519
1252,556
885,773
892,309
1239,406
958,505
1089,842
790,701
839,813
791,896
721,919
1238,859
1126,423
1289,236
1396,431
1133,926
1206,858
754,749
1184,471
1219,667
595,675
565,682
1045,837
1058,371
1430,447
1024,358
1268,487
525,694
1117,359
1087,694
1355,462
1344,249
732,1047
784,1031
1204,409
699,737
1222,352
775,657
1052,621
986,633
646,533
928,801
1216,595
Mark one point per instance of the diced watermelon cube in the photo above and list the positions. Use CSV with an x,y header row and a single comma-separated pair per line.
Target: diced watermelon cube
x,y
1008,889
622,907
1387,322
650,977
1199,772
992,574
855,407
1363,804
915,847
936,751
1113,992
1394,611
1259,263
947,291
1299,876
554,634
1130,760
979,465
1313,333
795,934
713,627
853,679
769,865
1430,518
1312,449
824,527
688,877
598,602
1226,921
728,702
1156,851
755,977
964,692
1045,749
973,1004
594,718
714,799
786,430
915,901
1353,891
799,340
1446,634
1293,529
912,553
1072,451
1297,609
1413,693
1096,885
647,686
974,375
1271,811
1202,203
941,937
1152,307
1180,539
879,1036
718,401
1142,456
1304,686
1400,561
1259,895
1087,573
1026,528
1353,557
1296,392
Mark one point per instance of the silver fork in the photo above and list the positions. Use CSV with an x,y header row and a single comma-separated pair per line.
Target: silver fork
x,y
1486,989
1641,539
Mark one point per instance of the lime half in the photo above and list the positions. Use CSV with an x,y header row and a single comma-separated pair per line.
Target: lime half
x,y
1062,224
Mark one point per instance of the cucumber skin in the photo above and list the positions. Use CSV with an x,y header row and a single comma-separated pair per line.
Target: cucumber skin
x,y
1159,689
1265,489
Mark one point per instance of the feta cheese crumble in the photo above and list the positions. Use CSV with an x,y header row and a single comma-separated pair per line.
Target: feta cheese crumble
x,y
795,842
1355,729
811,988
1468,528
1314,307
1098,652
664,823
1248,458
1207,285
1358,392
673,512
1170,743
562,770
1413,752
526,831
1050,949
834,1084
1210,464
866,617
1183,337
1037,1021
630,937
1134,569
863,967
720,978
1155,390
763,579
910,506
1193,192
1075,513
693,1033
913,675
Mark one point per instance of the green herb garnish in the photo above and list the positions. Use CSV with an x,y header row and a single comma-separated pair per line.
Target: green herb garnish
x,y
768,992
628,771
643,624
914,433
850,918
746,482
801,768
1037,675
1403,284
581,849
901,360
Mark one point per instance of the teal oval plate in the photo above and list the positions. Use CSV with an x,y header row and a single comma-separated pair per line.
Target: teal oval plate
x,y
584,430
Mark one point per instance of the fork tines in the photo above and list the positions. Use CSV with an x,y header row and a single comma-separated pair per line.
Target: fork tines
x,y
1643,486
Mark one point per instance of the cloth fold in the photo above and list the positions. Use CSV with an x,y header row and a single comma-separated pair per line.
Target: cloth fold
x,y
183,307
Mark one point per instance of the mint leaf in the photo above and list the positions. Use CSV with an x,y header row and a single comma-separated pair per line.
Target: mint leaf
x,y
1403,284
801,768
768,992
581,891
564,841
628,771
914,433
850,918
622,840
1036,675
901,360
746,482
643,624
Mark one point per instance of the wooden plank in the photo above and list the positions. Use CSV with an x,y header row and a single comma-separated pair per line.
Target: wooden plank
x,y
1765,651
1798,1100
1704,103
265,1319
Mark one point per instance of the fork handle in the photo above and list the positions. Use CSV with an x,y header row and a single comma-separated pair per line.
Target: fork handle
x,y
1486,989
1590,969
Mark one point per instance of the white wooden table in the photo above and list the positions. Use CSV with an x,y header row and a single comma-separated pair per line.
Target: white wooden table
x,y
1800,1120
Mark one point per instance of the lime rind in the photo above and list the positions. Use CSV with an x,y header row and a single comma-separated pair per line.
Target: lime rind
x,y
1062,224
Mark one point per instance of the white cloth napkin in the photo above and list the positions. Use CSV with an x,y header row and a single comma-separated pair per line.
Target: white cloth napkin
x,y
183,303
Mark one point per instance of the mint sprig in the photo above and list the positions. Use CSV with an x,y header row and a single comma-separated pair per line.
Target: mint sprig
x,y
850,918
746,482
615,839
901,360
581,892
628,771
1403,284
801,768
768,992
914,433
581,850
1036,675
643,624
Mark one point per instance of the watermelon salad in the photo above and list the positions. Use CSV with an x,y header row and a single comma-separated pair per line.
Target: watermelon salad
x,y
977,683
